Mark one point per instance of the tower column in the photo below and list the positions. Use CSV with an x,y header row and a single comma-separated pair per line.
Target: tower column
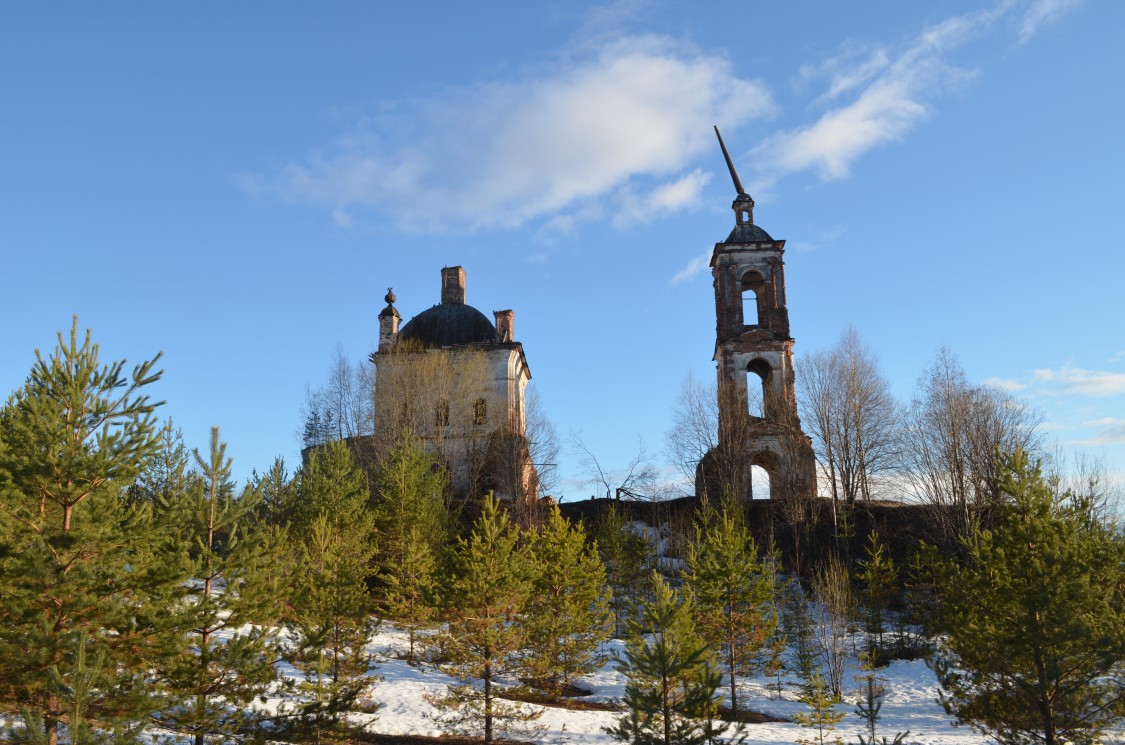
x,y
388,322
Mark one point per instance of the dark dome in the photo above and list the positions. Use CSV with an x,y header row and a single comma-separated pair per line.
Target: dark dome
x,y
748,234
449,325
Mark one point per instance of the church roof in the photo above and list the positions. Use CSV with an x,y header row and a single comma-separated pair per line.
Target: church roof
x,y
449,325
747,233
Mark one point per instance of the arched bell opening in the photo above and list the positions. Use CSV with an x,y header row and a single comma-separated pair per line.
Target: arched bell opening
x,y
759,377
752,286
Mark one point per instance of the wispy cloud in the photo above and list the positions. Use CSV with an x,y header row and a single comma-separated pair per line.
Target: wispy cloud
x,y
1006,384
819,240
694,267
876,94
621,125
672,196
854,66
1107,431
892,90
1074,380
1043,13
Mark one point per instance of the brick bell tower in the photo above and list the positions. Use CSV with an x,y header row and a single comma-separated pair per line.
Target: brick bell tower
x,y
753,348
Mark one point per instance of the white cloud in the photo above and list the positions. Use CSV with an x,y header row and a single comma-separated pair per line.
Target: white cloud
x,y
694,267
1074,380
673,196
1005,384
1043,13
854,66
630,119
1109,431
1108,421
893,91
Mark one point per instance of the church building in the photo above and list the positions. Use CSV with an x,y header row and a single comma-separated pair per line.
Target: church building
x,y
455,381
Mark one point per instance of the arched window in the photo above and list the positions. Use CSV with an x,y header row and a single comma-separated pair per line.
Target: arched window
x,y
759,483
763,468
758,374
753,285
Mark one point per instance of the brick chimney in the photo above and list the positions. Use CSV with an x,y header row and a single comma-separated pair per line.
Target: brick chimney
x,y
453,285
505,320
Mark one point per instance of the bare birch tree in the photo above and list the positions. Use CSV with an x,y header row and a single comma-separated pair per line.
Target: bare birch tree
x,y
523,466
833,589
542,441
344,406
846,401
954,432
637,479
700,436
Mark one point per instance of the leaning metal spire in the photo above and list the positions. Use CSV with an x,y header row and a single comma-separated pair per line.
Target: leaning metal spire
x,y
730,165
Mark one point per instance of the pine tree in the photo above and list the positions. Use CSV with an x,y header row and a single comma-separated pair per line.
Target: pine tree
x,y
166,473
628,561
82,566
413,527
1039,660
878,580
870,704
486,597
329,631
225,663
671,676
330,608
277,494
775,663
798,625
568,617
734,593
822,715
411,594
86,676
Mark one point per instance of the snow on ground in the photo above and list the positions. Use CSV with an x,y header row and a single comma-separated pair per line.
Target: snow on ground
x,y
400,690
910,704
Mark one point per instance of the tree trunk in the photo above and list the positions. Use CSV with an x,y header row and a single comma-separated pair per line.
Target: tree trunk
x,y
667,709
731,653
50,723
487,703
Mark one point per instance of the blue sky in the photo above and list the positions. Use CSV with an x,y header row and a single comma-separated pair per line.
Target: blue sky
x,y
237,185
